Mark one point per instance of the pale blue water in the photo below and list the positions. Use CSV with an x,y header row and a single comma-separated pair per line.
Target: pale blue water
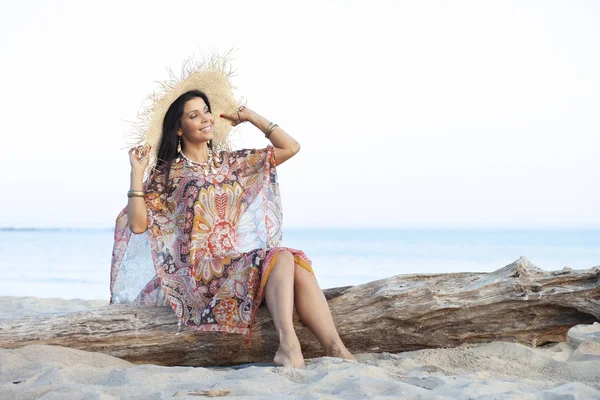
x,y
76,263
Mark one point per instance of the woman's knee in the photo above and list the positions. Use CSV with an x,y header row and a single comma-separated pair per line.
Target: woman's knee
x,y
283,270
285,260
285,256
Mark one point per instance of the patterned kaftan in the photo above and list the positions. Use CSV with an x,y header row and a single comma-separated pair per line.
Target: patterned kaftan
x,y
210,246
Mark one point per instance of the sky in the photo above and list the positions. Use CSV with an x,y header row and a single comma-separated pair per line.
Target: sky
x,y
410,114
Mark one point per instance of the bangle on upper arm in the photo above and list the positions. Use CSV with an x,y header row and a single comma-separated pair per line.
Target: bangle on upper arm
x,y
270,129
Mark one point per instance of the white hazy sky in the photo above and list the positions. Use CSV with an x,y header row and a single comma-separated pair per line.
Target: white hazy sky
x,y
410,113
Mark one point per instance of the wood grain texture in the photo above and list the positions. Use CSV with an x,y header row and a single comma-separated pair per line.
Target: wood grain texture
x,y
518,303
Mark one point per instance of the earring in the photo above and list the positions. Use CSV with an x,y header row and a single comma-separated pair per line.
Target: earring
x,y
179,144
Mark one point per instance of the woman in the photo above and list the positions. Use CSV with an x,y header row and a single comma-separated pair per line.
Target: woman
x,y
213,220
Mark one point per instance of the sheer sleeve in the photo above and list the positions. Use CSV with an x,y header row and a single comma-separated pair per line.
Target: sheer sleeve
x,y
261,221
251,161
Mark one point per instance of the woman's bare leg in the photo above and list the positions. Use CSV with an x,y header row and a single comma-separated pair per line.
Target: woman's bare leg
x,y
280,301
313,310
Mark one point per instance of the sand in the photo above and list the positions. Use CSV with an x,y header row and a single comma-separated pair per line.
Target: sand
x,y
497,370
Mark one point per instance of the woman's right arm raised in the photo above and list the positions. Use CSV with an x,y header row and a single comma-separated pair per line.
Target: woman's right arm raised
x,y
137,213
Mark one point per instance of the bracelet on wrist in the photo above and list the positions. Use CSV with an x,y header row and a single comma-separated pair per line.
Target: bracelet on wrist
x,y
135,193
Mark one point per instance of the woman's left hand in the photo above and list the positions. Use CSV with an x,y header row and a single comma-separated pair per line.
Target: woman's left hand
x,y
242,115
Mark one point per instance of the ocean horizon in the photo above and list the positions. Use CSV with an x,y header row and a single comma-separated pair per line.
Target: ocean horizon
x,y
74,263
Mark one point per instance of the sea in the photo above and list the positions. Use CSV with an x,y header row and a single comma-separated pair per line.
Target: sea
x,y
75,263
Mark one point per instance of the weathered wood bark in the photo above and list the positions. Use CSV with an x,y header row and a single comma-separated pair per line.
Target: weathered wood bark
x,y
518,303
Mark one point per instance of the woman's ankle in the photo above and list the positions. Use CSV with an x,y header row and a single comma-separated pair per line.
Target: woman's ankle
x,y
334,349
288,339
337,349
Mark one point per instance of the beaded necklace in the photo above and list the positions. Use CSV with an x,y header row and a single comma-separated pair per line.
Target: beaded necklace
x,y
205,166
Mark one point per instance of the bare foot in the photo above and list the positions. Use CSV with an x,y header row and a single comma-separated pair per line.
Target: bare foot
x,y
340,351
289,354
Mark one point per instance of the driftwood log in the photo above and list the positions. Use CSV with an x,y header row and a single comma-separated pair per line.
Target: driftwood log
x,y
518,303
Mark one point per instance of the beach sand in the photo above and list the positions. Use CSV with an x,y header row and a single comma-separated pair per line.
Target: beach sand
x,y
497,370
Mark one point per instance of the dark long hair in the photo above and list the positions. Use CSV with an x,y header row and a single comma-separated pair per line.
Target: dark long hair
x,y
167,150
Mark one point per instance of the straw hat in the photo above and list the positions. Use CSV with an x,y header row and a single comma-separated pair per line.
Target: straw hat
x,y
210,75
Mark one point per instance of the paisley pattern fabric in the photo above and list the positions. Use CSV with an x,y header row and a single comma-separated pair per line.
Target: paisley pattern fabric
x,y
210,245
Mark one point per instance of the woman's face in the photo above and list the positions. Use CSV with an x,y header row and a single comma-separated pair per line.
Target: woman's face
x,y
197,122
